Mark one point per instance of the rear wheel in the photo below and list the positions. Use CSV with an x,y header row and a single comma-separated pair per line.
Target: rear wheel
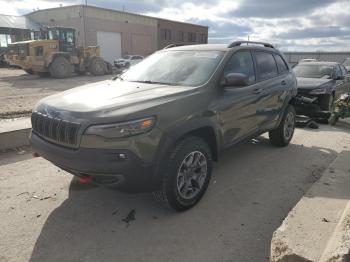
x,y
60,67
187,175
283,134
97,66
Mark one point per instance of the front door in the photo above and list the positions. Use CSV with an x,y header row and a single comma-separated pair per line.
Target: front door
x,y
238,105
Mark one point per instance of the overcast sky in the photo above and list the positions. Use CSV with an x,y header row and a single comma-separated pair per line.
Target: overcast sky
x,y
289,24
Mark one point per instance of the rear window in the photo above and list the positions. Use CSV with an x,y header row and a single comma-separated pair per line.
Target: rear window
x,y
266,65
281,65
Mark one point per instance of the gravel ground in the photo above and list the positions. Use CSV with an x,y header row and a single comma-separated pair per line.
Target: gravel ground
x,y
45,215
19,92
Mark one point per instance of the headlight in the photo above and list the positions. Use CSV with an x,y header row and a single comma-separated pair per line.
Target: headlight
x,y
317,91
123,129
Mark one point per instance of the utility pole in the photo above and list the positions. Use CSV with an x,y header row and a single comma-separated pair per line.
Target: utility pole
x,y
84,22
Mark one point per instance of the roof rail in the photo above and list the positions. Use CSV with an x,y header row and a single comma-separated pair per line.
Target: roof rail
x,y
174,45
239,43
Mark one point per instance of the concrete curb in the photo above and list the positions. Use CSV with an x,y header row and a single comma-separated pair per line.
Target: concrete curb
x,y
318,227
14,133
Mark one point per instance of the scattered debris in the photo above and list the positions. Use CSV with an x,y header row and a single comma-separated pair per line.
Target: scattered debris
x,y
36,197
325,220
114,212
129,217
155,217
326,184
38,215
44,198
23,193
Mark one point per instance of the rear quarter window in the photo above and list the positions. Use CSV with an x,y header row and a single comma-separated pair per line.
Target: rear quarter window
x,y
266,64
281,65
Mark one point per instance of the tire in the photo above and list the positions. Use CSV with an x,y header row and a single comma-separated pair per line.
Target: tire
x,y
333,120
29,71
97,67
326,102
60,67
283,134
183,190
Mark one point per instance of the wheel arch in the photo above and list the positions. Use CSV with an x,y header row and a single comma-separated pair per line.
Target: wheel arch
x,y
52,57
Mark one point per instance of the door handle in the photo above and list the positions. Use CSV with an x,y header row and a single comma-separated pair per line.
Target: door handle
x,y
284,82
257,91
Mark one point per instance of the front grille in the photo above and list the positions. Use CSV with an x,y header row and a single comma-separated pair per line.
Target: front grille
x,y
56,130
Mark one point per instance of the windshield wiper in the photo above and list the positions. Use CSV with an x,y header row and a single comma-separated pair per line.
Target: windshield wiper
x,y
118,77
155,82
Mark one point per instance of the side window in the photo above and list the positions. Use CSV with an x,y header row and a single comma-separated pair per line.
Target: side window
x,y
338,72
281,65
266,65
241,62
343,70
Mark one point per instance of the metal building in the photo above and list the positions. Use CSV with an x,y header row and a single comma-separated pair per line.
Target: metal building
x,y
119,33
16,28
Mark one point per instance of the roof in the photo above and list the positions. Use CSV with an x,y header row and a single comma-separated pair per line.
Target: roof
x,y
220,47
18,22
118,11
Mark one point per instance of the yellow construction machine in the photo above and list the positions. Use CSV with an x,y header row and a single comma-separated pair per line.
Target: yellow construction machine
x,y
56,54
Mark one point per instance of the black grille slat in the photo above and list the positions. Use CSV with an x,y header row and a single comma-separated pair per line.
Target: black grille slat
x,y
55,129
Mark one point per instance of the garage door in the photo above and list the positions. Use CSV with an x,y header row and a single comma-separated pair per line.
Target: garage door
x,y
110,45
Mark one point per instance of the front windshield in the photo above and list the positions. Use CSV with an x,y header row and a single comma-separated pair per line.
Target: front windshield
x,y
313,71
346,62
184,68
126,57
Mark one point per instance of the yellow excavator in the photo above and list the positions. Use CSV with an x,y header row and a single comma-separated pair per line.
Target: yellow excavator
x,y
56,55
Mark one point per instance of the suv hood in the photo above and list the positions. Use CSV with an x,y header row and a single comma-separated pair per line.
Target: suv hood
x,y
311,83
112,95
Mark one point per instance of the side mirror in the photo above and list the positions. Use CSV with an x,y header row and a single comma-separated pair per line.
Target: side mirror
x,y
235,80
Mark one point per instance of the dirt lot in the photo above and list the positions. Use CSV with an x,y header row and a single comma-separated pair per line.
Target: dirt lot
x,y
19,92
45,215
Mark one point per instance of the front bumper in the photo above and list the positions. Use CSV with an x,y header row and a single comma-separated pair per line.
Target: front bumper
x,y
131,172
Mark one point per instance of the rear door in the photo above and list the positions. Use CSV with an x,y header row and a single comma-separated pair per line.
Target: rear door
x,y
237,106
272,82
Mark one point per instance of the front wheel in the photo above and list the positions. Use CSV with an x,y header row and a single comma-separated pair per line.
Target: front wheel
x,y
97,66
326,102
187,175
283,134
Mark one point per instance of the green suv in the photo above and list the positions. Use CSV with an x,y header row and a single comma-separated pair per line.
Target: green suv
x,y
159,126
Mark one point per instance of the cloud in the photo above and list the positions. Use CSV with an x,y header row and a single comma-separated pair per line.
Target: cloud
x,y
278,8
314,32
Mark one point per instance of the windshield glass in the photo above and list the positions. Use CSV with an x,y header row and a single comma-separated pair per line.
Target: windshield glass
x,y
185,68
346,62
313,71
126,57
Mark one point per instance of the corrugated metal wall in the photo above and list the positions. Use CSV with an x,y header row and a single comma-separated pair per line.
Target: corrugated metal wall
x,y
295,57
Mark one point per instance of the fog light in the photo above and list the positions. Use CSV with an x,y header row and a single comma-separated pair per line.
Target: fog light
x,y
121,157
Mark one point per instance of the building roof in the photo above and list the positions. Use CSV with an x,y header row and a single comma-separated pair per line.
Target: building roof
x,y
18,22
118,11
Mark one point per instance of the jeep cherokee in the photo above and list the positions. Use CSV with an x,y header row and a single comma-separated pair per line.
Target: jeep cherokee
x,y
159,126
